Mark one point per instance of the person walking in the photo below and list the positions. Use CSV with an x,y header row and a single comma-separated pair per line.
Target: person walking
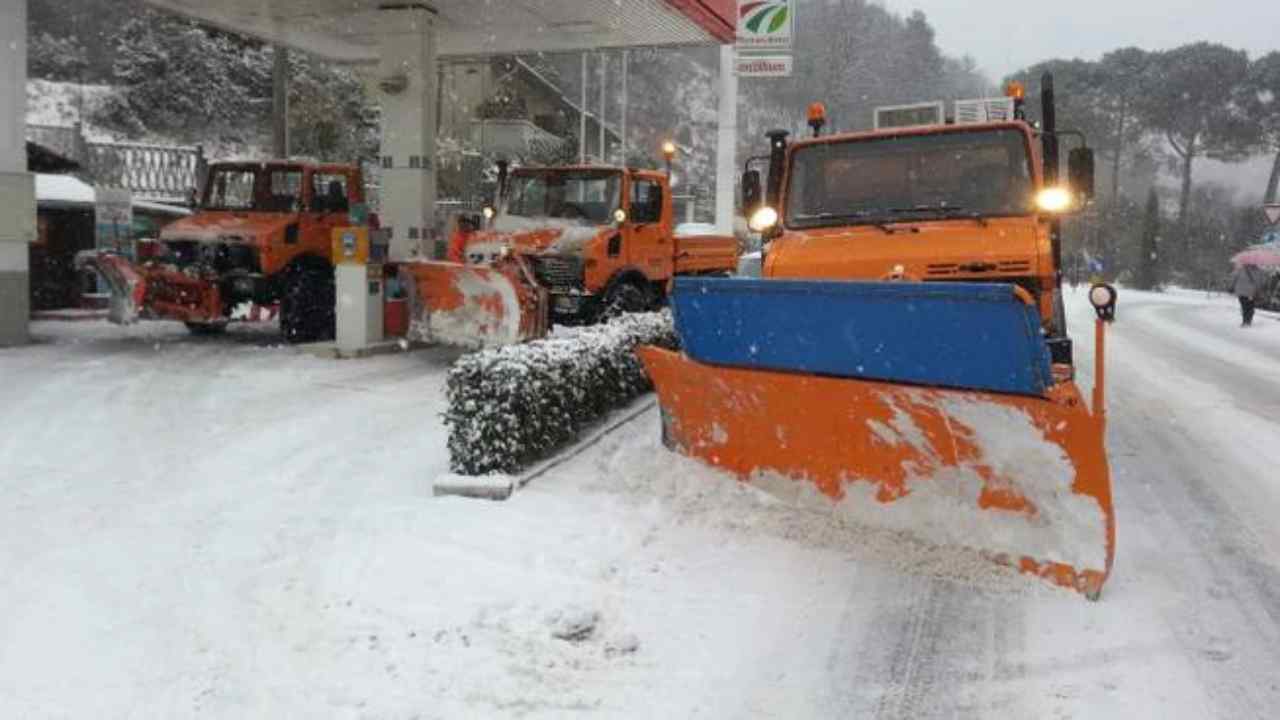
x,y
1246,282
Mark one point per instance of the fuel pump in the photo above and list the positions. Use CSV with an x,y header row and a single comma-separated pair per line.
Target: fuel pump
x,y
358,257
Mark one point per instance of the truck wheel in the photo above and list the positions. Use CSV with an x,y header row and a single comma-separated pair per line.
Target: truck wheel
x,y
623,298
306,310
206,328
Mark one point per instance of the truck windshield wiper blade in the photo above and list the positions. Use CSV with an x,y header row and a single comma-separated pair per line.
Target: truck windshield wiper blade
x,y
950,211
863,217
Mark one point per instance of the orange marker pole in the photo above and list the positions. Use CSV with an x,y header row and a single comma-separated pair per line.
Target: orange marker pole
x,y
1099,370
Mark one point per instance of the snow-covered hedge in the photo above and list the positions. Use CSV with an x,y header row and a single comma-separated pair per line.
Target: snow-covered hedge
x,y
513,405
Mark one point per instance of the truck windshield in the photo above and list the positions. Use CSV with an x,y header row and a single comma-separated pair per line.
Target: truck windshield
x,y
589,196
262,189
941,175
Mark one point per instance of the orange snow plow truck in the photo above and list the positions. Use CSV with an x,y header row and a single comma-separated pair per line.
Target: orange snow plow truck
x,y
260,241
599,239
905,355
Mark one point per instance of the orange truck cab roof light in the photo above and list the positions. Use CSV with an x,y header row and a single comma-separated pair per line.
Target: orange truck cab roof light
x,y
817,117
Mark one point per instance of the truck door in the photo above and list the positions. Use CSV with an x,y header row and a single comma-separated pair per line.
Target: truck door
x,y
648,237
329,208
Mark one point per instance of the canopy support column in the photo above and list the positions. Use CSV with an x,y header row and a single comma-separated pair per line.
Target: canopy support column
x,y
17,189
727,142
407,76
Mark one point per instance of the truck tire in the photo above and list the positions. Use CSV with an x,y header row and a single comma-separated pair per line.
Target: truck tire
x,y
206,328
307,307
624,297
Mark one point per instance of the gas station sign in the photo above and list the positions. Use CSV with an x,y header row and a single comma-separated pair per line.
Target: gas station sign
x,y
763,66
765,38
765,24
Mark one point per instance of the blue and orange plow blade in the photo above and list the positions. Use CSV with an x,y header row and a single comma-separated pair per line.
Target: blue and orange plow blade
x,y
912,407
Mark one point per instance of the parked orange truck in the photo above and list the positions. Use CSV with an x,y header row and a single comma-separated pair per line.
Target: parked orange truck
x,y
260,238
599,239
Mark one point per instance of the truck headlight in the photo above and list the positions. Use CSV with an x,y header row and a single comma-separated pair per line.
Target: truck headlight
x,y
1053,199
763,219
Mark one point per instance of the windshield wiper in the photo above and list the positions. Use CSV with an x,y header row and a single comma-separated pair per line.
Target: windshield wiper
x,y
947,211
857,215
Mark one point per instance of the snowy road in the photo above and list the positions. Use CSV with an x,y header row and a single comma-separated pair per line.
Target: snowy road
x,y
227,528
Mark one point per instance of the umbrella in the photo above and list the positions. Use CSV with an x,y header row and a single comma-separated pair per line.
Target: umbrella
x,y
1261,255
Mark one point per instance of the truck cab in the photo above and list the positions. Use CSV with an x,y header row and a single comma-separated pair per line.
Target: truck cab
x,y
928,200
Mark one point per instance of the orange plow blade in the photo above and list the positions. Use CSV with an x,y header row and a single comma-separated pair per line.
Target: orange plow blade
x,y
152,290
474,305
1021,479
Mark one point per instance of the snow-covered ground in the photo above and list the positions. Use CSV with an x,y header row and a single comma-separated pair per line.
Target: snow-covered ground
x,y
226,527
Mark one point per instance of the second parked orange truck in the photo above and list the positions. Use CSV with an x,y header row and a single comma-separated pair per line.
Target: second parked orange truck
x,y
601,240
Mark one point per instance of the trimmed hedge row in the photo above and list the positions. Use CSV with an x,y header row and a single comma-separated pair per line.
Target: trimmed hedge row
x,y
511,406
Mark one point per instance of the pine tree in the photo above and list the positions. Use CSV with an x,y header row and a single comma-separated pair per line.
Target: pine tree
x,y
55,58
188,82
1148,277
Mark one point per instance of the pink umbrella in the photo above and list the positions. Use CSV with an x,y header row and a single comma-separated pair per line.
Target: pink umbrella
x,y
1261,255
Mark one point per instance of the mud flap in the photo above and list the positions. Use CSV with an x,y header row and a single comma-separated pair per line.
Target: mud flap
x,y
474,306
1022,480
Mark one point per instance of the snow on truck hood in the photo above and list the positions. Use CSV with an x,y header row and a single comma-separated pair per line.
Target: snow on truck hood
x,y
215,226
543,235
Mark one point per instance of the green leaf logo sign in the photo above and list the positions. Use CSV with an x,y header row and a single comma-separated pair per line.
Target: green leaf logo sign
x,y
764,17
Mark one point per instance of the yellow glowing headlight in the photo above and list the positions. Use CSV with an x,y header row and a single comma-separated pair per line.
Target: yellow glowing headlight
x,y
763,219
1053,199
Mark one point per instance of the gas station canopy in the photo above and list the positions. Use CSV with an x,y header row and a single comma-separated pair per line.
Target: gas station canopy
x,y
348,30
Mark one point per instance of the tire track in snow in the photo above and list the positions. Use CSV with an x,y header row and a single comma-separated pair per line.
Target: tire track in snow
x,y
930,648
1231,370
1223,606
1224,610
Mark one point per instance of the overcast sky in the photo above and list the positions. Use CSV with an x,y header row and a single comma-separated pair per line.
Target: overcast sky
x,y
1005,35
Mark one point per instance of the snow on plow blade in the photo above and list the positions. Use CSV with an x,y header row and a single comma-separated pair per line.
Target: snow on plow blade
x,y
966,445
152,292
476,306
127,285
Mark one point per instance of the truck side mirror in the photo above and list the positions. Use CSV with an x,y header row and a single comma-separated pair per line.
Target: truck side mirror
x,y
1080,172
751,192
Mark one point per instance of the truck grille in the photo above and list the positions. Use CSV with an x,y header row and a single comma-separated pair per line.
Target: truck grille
x,y
1004,267
558,271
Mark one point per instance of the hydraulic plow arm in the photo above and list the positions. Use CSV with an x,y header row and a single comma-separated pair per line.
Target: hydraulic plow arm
x,y
475,305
